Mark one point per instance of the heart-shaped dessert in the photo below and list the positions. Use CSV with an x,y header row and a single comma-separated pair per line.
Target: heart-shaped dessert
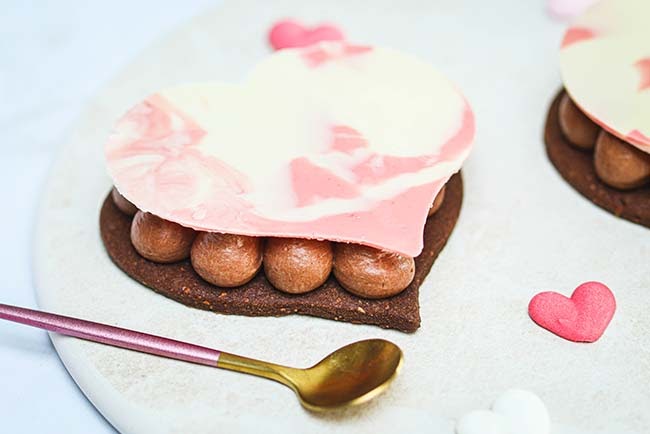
x,y
581,318
333,141
309,186
516,411
292,34
597,133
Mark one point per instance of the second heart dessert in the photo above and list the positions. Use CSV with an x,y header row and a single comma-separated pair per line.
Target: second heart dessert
x,y
598,128
324,185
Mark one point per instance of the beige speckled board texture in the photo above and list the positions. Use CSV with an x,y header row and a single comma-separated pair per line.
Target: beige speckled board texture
x,y
522,230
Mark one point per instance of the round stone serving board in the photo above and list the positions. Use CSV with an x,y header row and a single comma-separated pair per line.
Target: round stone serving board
x,y
521,230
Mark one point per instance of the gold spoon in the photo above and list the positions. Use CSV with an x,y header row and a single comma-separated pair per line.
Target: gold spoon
x,y
349,376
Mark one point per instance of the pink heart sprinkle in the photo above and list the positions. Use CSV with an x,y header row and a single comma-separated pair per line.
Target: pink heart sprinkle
x,y
581,318
291,34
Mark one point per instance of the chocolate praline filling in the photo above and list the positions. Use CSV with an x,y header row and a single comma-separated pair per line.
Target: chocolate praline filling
x,y
226,260
292,265
579,168
617,163
372,273
123,203
620,164
581,131
437,202
160,240
296,265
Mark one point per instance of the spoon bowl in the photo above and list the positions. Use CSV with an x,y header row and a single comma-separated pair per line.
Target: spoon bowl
x,y
350,375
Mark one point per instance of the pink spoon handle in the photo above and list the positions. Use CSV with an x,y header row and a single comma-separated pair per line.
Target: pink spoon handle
x,y
109,335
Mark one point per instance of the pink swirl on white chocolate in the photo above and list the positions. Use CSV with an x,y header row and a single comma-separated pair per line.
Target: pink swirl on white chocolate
x,y
318,55
330,141
643,66
605,62
577,34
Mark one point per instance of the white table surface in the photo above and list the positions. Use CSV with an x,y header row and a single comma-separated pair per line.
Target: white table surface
x,y
53,58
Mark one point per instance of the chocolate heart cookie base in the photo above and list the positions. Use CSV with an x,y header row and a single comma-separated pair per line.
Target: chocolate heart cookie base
x,y
577,168
180,282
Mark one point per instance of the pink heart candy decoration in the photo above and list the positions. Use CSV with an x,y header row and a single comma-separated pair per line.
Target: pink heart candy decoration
x,y
292,34
581,318
567,9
